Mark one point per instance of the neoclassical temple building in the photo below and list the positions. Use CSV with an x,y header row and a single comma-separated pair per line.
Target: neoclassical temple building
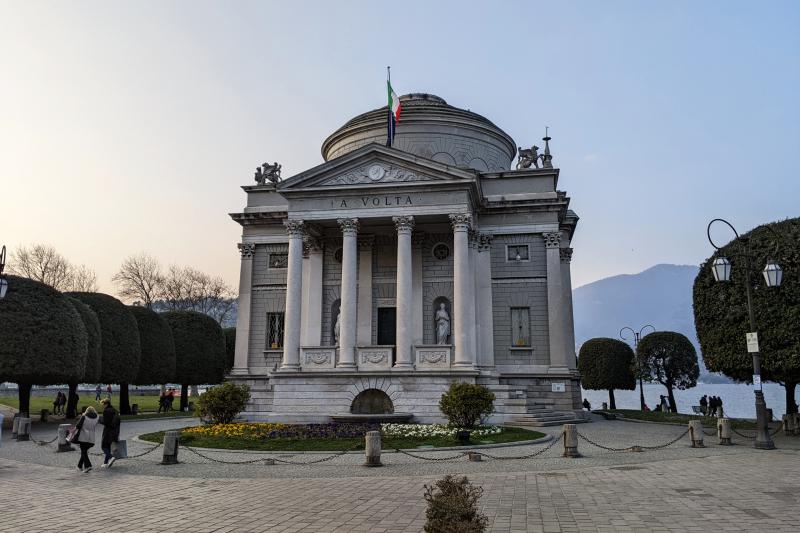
x,y
372,281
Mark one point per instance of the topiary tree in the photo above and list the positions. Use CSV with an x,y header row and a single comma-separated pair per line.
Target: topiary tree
x,y
120,345
157,364
670,359
720,309
43,341
223,403
606,364
199,350
453,507
93,367
230,347
465,403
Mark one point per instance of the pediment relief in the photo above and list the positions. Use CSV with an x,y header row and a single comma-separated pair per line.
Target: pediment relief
x,y
377,173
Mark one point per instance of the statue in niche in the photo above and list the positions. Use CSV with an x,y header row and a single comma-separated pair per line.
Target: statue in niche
x,y
442,320
336,329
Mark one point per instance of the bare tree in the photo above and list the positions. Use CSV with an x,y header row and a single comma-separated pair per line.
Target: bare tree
x,y
41,262
83,279
189,289
140,279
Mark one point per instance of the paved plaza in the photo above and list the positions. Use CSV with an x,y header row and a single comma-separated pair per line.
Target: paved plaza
x,y
676,488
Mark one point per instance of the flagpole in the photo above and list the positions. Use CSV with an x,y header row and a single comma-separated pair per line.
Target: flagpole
x,y
389,106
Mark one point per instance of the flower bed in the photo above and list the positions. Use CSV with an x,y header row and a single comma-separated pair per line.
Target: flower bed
x,y
266,431
436,430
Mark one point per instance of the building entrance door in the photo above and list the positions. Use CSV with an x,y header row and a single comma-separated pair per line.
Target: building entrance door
x,y
387,326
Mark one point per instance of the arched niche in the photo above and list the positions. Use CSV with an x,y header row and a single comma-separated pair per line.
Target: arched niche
x,y
336,307
437,302
372,402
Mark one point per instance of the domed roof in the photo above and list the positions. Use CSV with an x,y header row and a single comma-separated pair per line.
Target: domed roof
x,y
429,128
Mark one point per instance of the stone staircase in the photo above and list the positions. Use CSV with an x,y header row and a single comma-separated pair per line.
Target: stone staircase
x,y
541,416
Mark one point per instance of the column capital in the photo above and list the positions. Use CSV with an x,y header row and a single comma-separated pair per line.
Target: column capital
x,y
418,238
247,249
485,242
311,244
461,221
474,238
403,224
295,228
348,225
552,240
566,254
366,242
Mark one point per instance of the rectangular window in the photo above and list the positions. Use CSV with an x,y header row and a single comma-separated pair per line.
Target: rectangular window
x,y
517,252
278,260
520,326
274,330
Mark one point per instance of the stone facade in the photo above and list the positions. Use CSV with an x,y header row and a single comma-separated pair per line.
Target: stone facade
x,y
345,265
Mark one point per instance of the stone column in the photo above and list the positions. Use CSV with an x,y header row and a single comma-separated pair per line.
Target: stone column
x,y
462,293
417,326
364,314
242,350
349,293
555,304
472,323
294,289
311,324
569,320
484,305
405,294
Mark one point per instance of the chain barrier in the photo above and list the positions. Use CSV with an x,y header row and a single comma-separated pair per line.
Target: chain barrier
x,y
43,442
275,459
709,433
529,456
771,434
633,448
151,450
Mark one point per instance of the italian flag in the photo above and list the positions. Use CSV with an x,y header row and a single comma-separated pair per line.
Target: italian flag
x,y
394,113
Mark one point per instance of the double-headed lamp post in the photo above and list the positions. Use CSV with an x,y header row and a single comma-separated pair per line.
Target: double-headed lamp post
x,y
637,336
773,275
3,281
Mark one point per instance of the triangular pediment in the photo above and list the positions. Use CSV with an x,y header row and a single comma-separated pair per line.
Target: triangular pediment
x,y
375,165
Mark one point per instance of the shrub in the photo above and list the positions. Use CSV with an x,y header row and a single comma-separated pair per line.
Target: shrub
x,y
222,403
464,404
453,507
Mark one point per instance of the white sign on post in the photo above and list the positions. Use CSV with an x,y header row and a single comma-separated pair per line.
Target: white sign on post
x,y
752,342
757,381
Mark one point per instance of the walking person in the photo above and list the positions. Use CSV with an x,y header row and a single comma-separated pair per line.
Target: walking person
x,y
57,403
704,404
97,391
111,424
719,407
86,426
108,390
712,406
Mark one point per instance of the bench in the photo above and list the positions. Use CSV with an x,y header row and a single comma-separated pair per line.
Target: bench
x,y
696,409
607,416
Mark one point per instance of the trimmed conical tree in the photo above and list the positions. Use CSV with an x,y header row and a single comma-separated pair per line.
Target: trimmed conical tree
x,y
158,348
121,349
606,364
44,341
199,350
230,347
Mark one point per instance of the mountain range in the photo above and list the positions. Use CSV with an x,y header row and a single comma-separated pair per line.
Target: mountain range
x,y
660,296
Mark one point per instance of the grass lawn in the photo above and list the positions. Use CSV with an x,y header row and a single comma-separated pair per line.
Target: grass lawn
x,y
678,418
509,434
148,405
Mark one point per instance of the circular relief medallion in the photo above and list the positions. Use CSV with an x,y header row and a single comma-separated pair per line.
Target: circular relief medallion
x,y
376,172
441,251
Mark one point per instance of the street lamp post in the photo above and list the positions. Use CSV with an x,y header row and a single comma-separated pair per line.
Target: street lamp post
x,y
637,336
3,281
773,275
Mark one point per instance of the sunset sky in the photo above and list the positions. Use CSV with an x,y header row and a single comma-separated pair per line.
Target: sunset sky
x,y
130,127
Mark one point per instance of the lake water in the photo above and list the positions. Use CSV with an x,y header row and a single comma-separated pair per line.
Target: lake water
x,y
738,400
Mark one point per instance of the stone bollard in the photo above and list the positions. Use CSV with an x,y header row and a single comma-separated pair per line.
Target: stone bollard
x,y
696,434
24,429
135,409
14,426
63,431
789,424
571,441
170,456
372,448
43,414
474,457
724,431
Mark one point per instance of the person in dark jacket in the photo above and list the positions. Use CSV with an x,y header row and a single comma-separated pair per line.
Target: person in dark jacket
x,y
111,423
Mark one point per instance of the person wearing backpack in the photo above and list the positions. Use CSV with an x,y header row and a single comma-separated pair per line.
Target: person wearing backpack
x,y
85,437
111,423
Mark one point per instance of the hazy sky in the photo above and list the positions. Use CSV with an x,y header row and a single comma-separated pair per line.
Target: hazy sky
x,y
128,127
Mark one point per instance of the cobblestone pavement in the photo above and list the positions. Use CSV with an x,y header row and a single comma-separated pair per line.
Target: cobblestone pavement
x,y
678,488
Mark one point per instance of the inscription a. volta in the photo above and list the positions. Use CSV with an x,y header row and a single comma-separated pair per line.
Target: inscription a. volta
x,y
376,201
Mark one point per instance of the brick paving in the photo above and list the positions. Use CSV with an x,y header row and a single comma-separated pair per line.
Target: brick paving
x,y
677,489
